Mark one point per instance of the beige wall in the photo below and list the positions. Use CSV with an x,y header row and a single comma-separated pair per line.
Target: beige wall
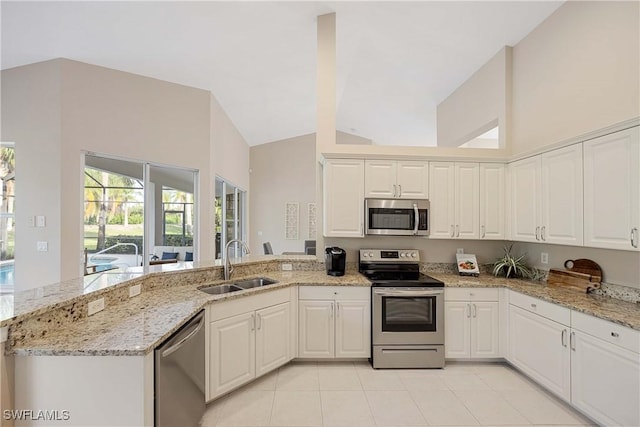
x,y
618,267
230,151
31,117
478,105
56,110
576,72
281,171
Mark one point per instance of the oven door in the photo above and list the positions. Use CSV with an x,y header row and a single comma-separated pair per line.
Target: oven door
x,y
408,316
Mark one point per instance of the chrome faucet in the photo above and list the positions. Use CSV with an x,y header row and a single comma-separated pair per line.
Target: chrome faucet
x,y
228,268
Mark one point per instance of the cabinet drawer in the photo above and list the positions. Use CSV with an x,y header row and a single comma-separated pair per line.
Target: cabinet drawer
x,y
472,294
606,331
542,308
334,292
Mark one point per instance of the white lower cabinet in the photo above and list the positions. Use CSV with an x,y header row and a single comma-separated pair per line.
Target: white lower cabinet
x,y
334,322
244,346
472,326
591,363
605,371
539,347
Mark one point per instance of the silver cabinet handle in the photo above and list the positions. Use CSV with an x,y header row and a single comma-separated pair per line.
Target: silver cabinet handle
x,y
337,309
483,231
331,312
253,322
542,230
572,341
615,334
475,310
457,230
453,233
259,320
361,231
563,339
533,305
538,233
634,232
399,190
468,310
394,190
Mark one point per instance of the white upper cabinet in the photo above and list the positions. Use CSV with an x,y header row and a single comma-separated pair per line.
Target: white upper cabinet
x,y
546,197
396,179
492,201
561,206
525,199
343,195
454,197
612,191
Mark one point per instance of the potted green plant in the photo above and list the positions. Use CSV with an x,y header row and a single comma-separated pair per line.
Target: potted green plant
x,y
510,266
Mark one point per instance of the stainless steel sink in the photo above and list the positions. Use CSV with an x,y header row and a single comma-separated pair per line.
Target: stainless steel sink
x,y
254,283
220,289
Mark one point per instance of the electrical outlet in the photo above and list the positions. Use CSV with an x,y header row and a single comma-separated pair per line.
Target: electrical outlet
x,y
287,267
460,250
544,258
95,306
134,290
42,246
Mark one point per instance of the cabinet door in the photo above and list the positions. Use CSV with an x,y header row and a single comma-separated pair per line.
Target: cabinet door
x,y
525,199
612,191
273,326
442,197
467,200
485,329
492,201
380,178
539,347
413,179
232,352
457,333
605,381
353,328
316,329
343,195
561,176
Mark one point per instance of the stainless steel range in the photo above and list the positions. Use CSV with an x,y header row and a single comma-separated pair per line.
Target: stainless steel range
x,y
407,310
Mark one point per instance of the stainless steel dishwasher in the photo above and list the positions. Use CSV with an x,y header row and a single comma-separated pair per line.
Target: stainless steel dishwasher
x,y
179,376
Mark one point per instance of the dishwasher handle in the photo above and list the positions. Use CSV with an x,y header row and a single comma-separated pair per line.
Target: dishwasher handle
x,y
175,347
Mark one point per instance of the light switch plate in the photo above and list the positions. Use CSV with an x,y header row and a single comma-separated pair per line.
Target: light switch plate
x,y
544,258
134,290
41,221
460,250
95,306
287,267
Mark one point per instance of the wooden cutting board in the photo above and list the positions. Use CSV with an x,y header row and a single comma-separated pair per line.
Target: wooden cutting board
x,y
581,275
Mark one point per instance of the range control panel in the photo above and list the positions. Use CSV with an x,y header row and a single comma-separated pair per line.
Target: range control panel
x,y
389,255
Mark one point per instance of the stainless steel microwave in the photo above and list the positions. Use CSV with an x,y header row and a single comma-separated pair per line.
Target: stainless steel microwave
x,y
396,217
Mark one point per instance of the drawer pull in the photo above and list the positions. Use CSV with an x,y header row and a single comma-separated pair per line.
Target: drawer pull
x,y
615,334
533,306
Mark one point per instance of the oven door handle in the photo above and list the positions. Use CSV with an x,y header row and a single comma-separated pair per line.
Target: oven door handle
x,y
406,292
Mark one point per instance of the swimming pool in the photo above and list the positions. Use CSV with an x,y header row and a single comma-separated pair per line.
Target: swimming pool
x,y
7,278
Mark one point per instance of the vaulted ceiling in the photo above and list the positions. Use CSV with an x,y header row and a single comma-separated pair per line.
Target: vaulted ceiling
x,y
396,61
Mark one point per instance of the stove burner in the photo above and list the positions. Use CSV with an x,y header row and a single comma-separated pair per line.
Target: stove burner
x,y
402,269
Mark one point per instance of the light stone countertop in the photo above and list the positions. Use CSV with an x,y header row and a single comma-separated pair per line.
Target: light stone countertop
x,y
138,325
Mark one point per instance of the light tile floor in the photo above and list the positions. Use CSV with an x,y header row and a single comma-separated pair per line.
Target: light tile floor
x,y
344,394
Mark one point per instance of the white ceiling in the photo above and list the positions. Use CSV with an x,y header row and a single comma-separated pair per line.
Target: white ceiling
x,y
396,60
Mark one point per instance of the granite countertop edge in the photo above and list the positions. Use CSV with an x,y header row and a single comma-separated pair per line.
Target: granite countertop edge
x,y
55,344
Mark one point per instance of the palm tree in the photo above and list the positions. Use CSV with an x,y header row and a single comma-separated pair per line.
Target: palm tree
x,y
7,172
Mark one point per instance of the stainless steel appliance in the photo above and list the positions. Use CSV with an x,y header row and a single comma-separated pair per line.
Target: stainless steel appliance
x,y
335,261
179,376
407,328
396,217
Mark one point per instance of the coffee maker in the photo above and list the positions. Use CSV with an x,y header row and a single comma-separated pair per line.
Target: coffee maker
x,y
335,261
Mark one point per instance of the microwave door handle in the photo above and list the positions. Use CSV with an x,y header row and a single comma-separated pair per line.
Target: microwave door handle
x,y
416,219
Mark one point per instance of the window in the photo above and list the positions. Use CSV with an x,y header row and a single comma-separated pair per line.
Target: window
x,y
230,218
7,217
177,212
